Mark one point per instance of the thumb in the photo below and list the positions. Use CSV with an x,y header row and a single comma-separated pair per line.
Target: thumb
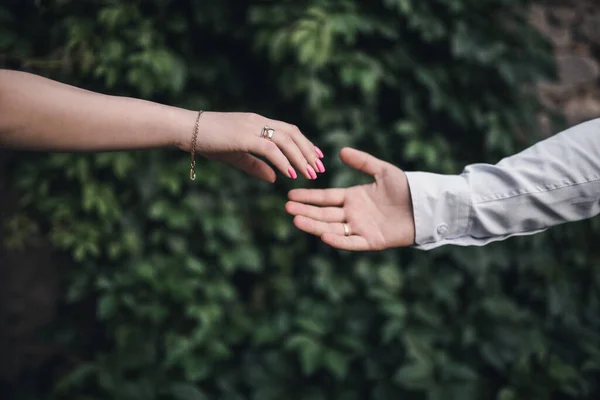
x,y
249,164
362,161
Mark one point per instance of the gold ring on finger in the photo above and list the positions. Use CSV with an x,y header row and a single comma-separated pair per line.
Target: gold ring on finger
x,y
347,230
267,133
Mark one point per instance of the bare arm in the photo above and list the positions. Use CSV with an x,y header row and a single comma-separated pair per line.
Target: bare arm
x,y
40,114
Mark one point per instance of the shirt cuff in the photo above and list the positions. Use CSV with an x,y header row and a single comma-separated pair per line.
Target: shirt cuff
x,y
441,207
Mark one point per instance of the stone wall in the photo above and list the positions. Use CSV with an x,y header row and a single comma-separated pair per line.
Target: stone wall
x,y
573,26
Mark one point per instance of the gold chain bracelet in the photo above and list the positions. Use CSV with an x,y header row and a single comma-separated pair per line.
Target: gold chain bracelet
x,y
193,150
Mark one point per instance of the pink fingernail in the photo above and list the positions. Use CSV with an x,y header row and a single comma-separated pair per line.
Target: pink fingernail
x,y
320,166
311,172
292,172
319,152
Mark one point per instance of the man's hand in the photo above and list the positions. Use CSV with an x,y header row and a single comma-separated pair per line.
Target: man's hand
x,y
379,214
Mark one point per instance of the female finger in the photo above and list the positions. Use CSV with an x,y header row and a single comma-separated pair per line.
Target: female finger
x,y
310,152
289,147
271,152
251,165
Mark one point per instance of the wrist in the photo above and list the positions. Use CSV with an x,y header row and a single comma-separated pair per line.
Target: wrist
x,y
441,207
184,123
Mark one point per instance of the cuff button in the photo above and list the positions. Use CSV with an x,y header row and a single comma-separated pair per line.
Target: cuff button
x,y
442,228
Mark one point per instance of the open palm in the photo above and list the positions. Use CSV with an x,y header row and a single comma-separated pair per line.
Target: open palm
x,y
379,214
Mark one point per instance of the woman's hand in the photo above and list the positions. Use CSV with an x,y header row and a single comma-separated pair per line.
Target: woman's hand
x,y
234,138
47,115
379,215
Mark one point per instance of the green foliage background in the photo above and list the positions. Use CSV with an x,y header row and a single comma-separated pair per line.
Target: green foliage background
x,y
205,290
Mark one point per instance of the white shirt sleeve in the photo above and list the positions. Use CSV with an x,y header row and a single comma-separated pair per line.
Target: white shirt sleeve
x,y
556,180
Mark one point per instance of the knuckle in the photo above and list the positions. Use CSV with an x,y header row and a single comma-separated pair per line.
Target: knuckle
x,y
285,137
254,117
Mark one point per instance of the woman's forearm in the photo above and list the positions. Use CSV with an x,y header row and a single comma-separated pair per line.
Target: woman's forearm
x,y
40,114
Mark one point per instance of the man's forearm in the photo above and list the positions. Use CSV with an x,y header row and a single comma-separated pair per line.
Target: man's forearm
x,y
554,181
40,114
